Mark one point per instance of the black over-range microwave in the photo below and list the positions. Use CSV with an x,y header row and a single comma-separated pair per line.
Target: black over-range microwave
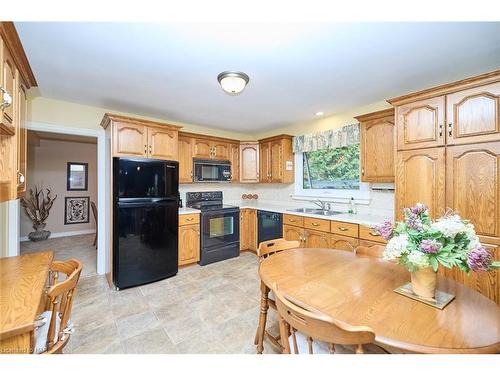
x,y
208,170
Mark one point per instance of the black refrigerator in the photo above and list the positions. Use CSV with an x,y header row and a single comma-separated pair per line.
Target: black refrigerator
x,y
145,220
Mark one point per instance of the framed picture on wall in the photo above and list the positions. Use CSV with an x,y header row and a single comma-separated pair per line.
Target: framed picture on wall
x,y
76,210
77,176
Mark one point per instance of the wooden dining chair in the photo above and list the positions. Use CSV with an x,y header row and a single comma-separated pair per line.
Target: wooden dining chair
x,y
308,330
94,212
267,249
53,326
376,251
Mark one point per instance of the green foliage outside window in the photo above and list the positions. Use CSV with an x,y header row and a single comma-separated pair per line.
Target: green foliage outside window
x,y
332,168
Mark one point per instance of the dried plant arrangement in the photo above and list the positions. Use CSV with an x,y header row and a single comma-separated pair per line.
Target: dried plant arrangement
x,y
37,206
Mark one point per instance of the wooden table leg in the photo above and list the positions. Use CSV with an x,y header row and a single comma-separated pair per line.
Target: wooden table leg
x,y
261,329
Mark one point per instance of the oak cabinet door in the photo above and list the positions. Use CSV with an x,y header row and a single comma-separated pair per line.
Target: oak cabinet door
x,y
244,239
234,158
292,233
473,185
202,148
185,149
420,177
220,150
249,162
252,229
189,244
420,124
22,140
473,115
316,239
129,140
343,243
377,150
162,144
265,160
8,84
276,162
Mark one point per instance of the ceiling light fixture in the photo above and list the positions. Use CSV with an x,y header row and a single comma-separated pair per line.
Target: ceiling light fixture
x,y
233,82
319,113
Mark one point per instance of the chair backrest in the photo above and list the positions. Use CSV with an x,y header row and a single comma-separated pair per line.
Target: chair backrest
x,y
316,325
94,211
376,251
271,247
60,300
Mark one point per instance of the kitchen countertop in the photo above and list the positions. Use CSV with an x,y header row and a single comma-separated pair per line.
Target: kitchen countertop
x,y
367,219
188,210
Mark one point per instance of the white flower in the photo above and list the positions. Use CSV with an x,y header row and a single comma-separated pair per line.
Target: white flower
x,y
396,247
418,259
450,226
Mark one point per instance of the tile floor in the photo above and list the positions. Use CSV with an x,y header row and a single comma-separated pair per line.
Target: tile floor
x,y
79,247
210,309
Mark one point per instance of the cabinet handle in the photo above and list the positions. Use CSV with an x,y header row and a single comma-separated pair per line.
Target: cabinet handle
x,y
21,178
6,98
145,149
189,219
440,130
363,171
191,174
450,127
315,224
291,220
374,234
343,229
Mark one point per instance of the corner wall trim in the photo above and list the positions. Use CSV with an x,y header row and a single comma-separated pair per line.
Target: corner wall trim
x,y
64,234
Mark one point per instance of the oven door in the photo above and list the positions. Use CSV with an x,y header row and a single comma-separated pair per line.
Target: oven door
x,y
212,171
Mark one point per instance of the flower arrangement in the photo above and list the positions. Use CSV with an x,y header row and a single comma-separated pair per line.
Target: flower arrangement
x,y
417,242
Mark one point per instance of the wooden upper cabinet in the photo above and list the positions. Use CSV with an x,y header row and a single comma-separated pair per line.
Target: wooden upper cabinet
x,y
234,158
142,138
276,159
202,148
473,115
420,124
22,134
377,146
163,143
420,177
8,90
265,161
185,153
249,162
220,150
473,186
130,140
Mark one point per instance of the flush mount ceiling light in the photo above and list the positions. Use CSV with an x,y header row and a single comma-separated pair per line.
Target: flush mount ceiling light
x,y
233,82
319,113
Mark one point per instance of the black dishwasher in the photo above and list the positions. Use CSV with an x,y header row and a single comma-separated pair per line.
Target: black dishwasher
x,y
269,226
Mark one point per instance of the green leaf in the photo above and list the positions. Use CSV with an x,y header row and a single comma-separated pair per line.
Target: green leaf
x,y
434,263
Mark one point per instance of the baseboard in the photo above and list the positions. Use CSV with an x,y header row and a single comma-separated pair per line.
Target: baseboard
x,y
63,234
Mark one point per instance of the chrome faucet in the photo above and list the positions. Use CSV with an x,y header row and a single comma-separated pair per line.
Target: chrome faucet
x,y
321,204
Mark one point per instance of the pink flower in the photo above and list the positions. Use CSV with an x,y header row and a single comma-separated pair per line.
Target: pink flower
x,y
419,208
430,246
385,230
479,259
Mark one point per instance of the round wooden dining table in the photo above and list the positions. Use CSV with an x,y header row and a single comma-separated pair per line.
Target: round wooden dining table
x,y
359,290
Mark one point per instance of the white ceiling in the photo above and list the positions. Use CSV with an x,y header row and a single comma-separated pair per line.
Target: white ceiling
x,y
169,70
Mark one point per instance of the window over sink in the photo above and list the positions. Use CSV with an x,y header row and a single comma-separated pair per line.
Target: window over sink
x,y
330,173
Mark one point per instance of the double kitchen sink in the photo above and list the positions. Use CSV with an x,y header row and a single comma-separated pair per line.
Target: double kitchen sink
x,y
316,211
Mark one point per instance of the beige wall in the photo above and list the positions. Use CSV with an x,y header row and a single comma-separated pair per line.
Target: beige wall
x,y
73,115
328,122
47,166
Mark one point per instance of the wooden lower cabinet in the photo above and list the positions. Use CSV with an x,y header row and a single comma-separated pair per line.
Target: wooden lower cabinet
x,y
248,229
343,242
293,233
316,238
189,243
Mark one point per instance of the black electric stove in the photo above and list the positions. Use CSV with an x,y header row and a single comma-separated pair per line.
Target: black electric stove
x,y
220,226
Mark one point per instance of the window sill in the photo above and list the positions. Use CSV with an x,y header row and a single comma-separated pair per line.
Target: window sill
x,y
331,199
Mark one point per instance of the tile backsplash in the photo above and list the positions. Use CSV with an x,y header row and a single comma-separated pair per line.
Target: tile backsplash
x,y
381,202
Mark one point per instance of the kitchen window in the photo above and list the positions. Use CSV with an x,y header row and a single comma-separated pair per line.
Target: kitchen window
x,y
330,173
